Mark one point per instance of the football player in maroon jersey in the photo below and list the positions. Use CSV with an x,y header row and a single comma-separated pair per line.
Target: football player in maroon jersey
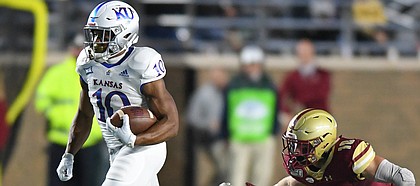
x,y
314,155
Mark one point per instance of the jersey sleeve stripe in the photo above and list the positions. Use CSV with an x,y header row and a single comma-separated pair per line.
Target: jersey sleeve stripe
x,y
362,159
365,149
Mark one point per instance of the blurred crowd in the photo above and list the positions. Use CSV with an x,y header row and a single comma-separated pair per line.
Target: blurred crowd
x,y
236,121
357,27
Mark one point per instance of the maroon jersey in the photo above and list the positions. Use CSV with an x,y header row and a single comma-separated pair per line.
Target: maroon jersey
x,y
343,167
4,128
308,92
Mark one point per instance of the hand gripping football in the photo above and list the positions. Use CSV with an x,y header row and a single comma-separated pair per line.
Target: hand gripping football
x,y
140,118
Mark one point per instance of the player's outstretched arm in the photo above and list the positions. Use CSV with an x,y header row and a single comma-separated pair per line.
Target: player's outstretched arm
x,y
289,181
82,123
382,170
79,132
164,108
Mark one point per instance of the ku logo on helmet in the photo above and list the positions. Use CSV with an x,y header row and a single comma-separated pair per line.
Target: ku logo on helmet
x,y
123,13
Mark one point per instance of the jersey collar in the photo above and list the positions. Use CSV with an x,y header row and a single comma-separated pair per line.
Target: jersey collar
x,y
108,65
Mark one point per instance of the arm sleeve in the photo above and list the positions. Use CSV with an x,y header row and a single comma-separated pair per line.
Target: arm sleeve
x,y
391,173
322,93
327,84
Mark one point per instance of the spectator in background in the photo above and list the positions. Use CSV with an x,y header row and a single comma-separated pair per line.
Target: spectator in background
x,y
204,116
368,13
4,128
231,38
306,87
381,37
57,97
250,120
323,10
370,16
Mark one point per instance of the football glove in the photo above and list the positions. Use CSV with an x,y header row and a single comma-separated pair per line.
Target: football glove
x,y
124,132
65,168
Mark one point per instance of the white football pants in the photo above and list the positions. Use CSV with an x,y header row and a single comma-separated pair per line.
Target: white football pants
x,y
136,166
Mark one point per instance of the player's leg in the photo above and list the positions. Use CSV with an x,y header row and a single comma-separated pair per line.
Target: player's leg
x,y
136,166
156,159
263,162
240,158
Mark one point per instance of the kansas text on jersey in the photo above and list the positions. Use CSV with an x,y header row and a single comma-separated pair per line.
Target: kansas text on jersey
x,y
117,84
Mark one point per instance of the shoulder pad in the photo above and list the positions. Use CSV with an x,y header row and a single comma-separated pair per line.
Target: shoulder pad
x,y
82,59
143,56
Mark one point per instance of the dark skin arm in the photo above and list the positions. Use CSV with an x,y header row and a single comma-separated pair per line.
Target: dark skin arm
x,y
164,108
82,123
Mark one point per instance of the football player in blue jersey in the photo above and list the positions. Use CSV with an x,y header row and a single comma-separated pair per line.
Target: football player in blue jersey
x,y
114,73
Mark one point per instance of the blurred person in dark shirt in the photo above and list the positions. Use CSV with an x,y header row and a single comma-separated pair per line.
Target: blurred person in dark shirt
x,y
4,127
204,114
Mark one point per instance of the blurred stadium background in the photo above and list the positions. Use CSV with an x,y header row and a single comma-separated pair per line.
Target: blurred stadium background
x,y
371,46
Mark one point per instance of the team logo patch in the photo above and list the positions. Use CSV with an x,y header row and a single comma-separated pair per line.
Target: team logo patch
x,y
310,180
297,172
88,70
328,178
123,13
124,73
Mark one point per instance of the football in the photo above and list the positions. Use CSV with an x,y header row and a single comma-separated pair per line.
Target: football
x,y
140,118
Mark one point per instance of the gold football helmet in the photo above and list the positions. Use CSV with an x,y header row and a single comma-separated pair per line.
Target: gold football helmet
x,y
310,133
